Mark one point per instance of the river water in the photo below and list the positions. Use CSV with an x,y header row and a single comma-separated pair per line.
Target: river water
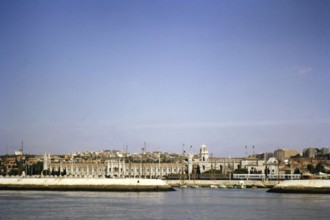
x,y
202,203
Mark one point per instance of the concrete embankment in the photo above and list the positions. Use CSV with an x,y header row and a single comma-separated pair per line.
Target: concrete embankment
x,y
208,183
302,186
83,184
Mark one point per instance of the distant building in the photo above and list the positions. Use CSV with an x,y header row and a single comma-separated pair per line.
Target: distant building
x,y
271,166
310,152
204,162
113,168
264,156
2,166
253,165
224,165
117,167
285,154
227,166
324,151
18,153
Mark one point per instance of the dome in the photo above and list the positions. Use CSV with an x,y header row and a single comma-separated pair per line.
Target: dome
x,y
203,148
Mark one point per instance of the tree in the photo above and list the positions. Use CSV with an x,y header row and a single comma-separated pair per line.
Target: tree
x,y
198,171
297,171
267,171
320,167
64,172
311,168
296,156
241,171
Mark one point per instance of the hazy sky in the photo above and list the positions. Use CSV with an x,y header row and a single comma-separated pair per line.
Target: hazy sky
x,y
92,75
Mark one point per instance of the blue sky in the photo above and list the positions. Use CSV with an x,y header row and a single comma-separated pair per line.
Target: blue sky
x,y
92,75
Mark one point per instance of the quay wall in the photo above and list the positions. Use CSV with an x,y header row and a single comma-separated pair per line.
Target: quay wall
x,y
207,183
83,184
302,186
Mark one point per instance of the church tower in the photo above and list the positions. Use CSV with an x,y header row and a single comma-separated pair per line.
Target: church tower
x,y
203,154
47,161
204,159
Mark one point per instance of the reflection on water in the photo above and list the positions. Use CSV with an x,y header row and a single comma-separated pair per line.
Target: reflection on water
x,y
185,203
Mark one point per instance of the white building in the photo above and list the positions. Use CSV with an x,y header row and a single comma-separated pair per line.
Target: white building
x,y
114,168
271,166
253,165
204,162
118,168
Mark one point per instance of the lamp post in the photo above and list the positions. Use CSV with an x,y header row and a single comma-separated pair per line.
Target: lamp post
x,y
141,167
159,164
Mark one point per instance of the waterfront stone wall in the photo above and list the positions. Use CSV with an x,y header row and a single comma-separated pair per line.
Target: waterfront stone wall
x,y
93,184
302,186
208,183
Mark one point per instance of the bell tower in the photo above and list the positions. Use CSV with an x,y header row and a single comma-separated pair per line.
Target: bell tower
x,y
203,154
203,159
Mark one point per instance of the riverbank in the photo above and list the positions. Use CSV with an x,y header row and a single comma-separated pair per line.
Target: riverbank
x,y
83,184
302,186
222,183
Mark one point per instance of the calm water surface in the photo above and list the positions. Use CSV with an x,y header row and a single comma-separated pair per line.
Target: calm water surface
x,y
185,203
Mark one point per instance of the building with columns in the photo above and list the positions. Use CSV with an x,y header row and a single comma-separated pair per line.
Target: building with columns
x,y
224,165
117,167
113,168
